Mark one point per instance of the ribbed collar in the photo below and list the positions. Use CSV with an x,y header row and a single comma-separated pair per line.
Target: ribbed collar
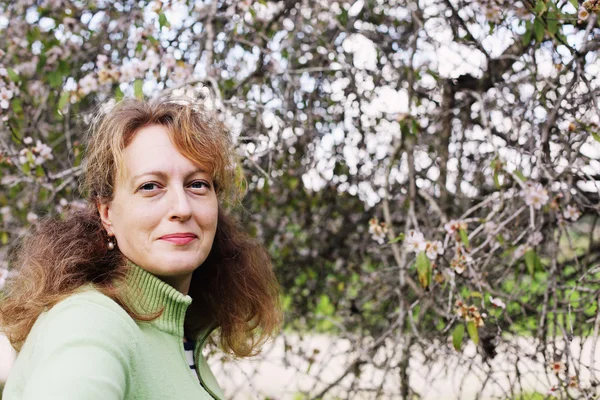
x,y
148,294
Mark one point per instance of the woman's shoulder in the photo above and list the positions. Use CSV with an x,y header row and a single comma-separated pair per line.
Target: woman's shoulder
x,y
87,313
92,302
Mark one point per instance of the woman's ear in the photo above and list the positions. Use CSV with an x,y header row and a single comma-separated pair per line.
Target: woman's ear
x,y
104,211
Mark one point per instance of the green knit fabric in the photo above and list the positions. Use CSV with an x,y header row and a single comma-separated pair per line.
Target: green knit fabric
x,y
88,347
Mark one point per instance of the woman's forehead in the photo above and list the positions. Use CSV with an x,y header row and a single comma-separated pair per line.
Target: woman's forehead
x,y
152,150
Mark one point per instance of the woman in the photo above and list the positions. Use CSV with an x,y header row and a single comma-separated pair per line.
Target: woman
x,y
105,302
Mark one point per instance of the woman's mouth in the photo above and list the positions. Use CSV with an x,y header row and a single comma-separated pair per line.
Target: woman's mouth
x,y
179,238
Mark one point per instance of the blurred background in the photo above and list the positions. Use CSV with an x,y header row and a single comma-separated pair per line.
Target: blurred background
x,y
424,174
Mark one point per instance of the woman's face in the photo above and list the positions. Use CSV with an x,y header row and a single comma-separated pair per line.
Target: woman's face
x,y
164,211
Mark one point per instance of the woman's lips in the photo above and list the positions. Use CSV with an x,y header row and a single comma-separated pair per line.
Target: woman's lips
x,y
179,239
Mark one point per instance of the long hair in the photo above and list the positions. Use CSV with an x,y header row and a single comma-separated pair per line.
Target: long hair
x,y
234,290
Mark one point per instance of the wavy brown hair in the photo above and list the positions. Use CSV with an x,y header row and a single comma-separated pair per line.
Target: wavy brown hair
x,y
235,290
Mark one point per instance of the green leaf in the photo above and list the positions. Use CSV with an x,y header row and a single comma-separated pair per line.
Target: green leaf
x,y
473,332
540,7
501,240
415,127
532,261
552,21
55,79
119,94
26,168
137,89
457,336
16,106
62,102
476,294
520,175
528,34
464,236
538,28
595,136
405,129
424,269
324,306
575,4
343,17
162,20
13,75
397,239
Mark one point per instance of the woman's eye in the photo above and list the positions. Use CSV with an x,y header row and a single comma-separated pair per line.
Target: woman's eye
x,y
148,186
199,185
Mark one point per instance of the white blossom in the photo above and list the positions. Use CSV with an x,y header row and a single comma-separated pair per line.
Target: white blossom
x,y
180,73
152,60
88,84
497,302
582,14
6,214
32,217
378,230
128,72
169,61
5,95
23,156
42,152
27,140
415,241
536,239
490,227
101,60
454,226
572,213
535,195
433,249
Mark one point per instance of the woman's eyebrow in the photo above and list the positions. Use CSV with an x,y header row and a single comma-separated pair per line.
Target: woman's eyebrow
x,y
163,175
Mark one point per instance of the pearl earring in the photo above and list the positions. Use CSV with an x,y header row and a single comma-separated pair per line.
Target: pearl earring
x,y
111,242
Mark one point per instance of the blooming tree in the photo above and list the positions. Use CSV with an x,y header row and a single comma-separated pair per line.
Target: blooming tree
x,y
424,173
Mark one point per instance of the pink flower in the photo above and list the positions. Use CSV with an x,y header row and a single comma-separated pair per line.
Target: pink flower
x,y
496,302
571,213
535,195
433,249
415,241
454,226
378,230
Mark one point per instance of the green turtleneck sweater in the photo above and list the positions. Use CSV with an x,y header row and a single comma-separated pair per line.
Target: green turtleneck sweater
x,y
88,347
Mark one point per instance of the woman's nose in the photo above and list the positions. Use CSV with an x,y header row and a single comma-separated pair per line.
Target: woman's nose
x,y
181,208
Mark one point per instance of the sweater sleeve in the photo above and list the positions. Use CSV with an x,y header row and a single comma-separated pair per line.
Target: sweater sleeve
x,y
83,351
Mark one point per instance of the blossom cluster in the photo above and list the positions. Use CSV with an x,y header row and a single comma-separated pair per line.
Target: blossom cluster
x,y
378,230
497,302
469,313
36,155
415,242
8,89
535,195
460,261
135,68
